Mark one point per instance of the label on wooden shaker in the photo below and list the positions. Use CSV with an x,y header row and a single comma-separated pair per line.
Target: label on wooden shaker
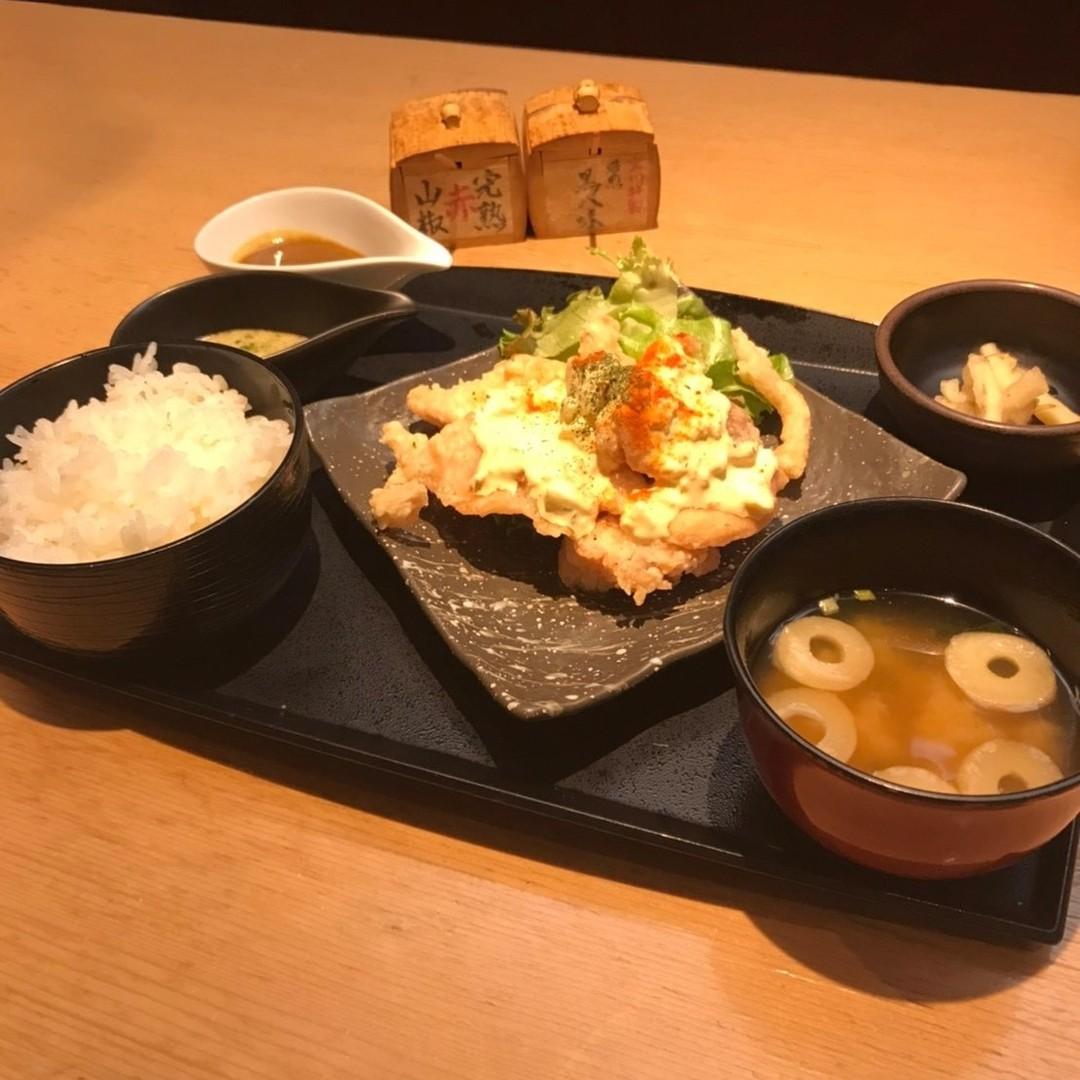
x,y
598,194
460,204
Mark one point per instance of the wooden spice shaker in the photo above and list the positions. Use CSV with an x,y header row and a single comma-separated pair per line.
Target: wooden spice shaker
x,y
455,168
591,160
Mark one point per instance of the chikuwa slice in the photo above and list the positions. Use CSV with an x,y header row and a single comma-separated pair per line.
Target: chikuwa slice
x,y
794,654
1003,765
913,776
1001,671
827,710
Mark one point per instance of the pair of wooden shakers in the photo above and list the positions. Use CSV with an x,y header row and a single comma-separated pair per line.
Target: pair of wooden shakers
x,y
590,164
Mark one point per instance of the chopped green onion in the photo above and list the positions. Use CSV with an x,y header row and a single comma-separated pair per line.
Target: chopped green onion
x,y
864,594
829,606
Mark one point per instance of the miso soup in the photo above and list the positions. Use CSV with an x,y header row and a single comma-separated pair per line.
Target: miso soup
x,y
923,692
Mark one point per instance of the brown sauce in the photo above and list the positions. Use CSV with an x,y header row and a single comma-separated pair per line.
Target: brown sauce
x,y
290,247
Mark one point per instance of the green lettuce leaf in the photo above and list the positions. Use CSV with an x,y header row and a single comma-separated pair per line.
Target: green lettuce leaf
x,y
561,332
725,379
649,302
523,339
783,366
551,333
644,279
713,336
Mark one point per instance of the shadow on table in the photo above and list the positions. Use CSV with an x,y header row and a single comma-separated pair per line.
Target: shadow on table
x,y
883,960
192,666
905,964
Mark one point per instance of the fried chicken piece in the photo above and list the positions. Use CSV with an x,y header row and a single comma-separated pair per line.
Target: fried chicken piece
x,y
755,368
439,405
671,419
397,504
672,466
697,528
685,439
740,426
691,527
444,464
610,558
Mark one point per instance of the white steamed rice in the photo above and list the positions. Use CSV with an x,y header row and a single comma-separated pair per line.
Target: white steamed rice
x,y
161,457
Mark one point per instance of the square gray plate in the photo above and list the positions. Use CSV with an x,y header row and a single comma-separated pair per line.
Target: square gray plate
x,y
491,586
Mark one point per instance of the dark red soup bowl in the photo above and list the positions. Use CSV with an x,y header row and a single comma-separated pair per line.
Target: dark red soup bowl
x,y
980,558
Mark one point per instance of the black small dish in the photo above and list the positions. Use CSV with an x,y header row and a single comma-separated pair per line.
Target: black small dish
x,y
927,338
339,321
193,589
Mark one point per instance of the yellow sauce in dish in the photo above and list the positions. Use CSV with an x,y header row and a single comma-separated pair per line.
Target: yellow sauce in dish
x,y
262,343
291,247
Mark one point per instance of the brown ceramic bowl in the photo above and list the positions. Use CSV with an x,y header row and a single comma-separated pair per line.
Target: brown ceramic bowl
x,y
927,337
1008,569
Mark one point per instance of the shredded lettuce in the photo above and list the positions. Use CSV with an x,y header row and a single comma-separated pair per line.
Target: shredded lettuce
x,y
728,382
644,280
647,301
552,333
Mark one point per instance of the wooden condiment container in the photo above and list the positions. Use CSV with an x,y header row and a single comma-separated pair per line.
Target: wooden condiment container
x,y
591,161
455,168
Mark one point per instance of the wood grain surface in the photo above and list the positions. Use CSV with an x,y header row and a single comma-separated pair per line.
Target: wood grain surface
x,y
176,902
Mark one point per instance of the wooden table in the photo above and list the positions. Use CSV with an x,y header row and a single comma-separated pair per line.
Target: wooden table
x,y
176,903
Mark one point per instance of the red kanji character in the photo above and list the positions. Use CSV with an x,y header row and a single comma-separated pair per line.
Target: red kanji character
x,y
459,203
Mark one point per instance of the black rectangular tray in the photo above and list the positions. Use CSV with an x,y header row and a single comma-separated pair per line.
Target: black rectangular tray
x,y
346,663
